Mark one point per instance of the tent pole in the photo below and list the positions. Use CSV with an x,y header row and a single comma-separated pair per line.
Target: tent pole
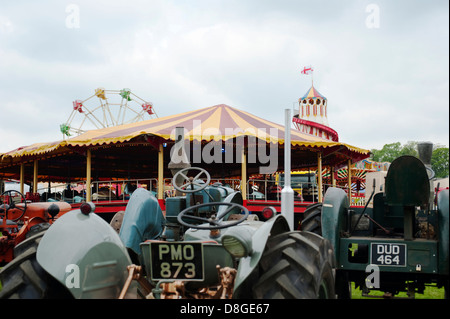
x,y
319,177
160,173
35,176
333,180
88,175
244,175
349,174
22,177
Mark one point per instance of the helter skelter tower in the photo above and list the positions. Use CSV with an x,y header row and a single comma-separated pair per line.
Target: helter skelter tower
x,y
312,114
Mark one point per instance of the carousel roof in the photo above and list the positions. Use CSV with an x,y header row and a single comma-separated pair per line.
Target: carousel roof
x,y
123,145
219,122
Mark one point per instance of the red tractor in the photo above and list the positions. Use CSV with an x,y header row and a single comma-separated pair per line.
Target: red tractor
x,y
20,219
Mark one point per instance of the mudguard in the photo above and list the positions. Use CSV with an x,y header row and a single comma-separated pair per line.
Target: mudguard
x,y
235,197
85,254
247,265
443,209
143,220
334,210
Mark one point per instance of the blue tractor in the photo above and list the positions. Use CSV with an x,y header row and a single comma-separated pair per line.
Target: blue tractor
x,y
206,245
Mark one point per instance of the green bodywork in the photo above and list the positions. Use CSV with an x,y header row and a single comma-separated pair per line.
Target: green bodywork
x,y
215,254
143,220
143,217
443,209
400,219
85,254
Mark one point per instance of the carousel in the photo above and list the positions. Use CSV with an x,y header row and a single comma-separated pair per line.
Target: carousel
x,y
232,144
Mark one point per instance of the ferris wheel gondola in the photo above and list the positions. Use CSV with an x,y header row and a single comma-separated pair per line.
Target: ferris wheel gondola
x,y
106,108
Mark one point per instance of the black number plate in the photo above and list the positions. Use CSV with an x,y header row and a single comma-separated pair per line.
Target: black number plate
x,y
388,254
176,260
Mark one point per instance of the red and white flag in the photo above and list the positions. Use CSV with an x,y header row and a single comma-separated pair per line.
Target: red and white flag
x,y
307,70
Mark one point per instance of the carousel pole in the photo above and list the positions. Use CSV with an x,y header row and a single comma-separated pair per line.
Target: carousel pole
x,y
333,180
319,177
161,174
35,176
349,174
88,176
244,175
22,177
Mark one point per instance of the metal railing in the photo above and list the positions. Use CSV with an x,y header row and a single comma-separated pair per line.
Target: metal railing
x,y
120,190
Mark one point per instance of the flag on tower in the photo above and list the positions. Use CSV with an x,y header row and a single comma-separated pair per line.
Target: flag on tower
x,y
307,70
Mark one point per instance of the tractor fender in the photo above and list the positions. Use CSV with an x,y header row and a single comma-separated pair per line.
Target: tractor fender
x,y
143,220
276,225
443,211
235,197
86,255
334,210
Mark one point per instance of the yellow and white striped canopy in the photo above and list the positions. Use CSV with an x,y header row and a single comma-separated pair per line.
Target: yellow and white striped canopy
x,y
219,122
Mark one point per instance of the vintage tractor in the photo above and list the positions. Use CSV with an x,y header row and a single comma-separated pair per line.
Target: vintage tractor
x,y
20,220
206,245
401,243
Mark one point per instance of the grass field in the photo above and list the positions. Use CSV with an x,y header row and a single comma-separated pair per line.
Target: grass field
x,y
430,293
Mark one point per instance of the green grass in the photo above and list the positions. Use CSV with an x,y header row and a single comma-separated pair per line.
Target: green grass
x,y
429,293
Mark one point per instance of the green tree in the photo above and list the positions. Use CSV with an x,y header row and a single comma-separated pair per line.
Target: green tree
x,y
439,162
439,158
388,153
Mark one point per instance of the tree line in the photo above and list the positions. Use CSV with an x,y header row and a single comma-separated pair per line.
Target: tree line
x,y
439,158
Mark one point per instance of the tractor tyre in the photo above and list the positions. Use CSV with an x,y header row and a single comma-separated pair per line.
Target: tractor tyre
x,y
296,265
24,278
312,220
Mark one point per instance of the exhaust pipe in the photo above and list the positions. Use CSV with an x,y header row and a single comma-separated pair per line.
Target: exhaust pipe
x,y
425,150
178,157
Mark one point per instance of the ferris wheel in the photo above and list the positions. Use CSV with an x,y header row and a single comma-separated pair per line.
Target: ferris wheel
x,y
106,108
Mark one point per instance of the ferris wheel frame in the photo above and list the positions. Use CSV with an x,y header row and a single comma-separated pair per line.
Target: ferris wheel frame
x,y
107,113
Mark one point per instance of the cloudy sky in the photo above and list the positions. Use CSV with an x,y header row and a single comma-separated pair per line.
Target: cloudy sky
x,y
382,64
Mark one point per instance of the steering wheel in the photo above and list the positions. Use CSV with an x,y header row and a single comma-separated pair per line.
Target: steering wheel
x,y
191,181
11,205
215,222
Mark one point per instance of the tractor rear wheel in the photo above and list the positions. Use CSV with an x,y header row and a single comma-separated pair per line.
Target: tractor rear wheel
x,y
296,265
24,278
312,220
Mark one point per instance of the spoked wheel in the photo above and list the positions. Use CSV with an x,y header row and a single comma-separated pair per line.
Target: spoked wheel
x,y
190,181
5,207
216,221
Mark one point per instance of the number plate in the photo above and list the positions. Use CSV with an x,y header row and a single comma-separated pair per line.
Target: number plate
x,y
177,261
388,254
